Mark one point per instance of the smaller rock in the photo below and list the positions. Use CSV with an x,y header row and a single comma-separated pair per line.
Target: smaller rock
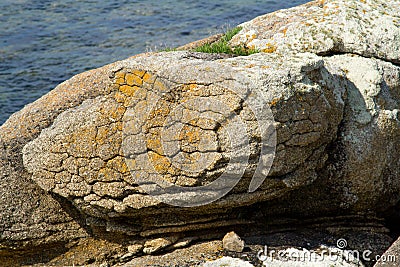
x,y
126,257
228,261
183,242
155,245
135,248
233,242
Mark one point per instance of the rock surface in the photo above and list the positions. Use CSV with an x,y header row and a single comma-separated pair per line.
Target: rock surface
x,y
391,258
81,162
233,242
367,28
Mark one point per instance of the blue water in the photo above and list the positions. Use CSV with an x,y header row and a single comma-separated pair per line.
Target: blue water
x,y
43,42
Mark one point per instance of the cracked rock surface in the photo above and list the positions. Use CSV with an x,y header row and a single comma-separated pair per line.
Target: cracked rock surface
x,y
79,161
91,153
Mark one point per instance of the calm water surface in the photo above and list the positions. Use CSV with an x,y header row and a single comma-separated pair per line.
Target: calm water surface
x,y
43,43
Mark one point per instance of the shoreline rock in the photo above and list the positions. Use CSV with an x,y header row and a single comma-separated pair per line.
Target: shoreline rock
x,y
328,70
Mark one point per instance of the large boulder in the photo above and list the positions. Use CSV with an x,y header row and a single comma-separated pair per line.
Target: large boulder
x,y
163,145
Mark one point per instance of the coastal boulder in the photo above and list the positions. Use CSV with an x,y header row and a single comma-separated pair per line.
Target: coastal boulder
x,y
164,146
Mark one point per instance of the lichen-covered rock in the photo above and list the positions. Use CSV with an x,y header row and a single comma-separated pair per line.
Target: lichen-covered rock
x,y
97,153
174,143
368,28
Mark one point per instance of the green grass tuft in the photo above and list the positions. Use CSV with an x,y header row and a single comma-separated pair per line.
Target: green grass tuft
x,y
222,46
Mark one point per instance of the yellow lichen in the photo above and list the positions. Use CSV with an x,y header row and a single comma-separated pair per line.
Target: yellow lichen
x,y
148,78
116,113
139,73
118,164
129,90
270,48
132,79
120,81
192,86
106,175
274,101
120,78
154,143
160,163
120,75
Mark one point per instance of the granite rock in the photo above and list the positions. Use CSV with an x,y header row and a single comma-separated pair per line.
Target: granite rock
x,y
181,143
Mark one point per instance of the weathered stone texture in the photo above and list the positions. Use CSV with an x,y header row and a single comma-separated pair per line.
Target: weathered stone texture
x,y
75,163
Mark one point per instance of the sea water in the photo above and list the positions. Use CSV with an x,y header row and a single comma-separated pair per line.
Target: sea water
x,y
44,42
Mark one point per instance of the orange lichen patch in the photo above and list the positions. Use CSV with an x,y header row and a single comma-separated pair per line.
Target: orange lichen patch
x,y
128,90
191,159
250,66
116,113
132,80
154,143
270,48
274,101
251,38
120,75
118,164
187,87
119,126
190,136
160,163
265,67
284,31
120,81
120,78
363,1
364,11
102,134
139,73
106,175
148,78
80,144
159,112
192,86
